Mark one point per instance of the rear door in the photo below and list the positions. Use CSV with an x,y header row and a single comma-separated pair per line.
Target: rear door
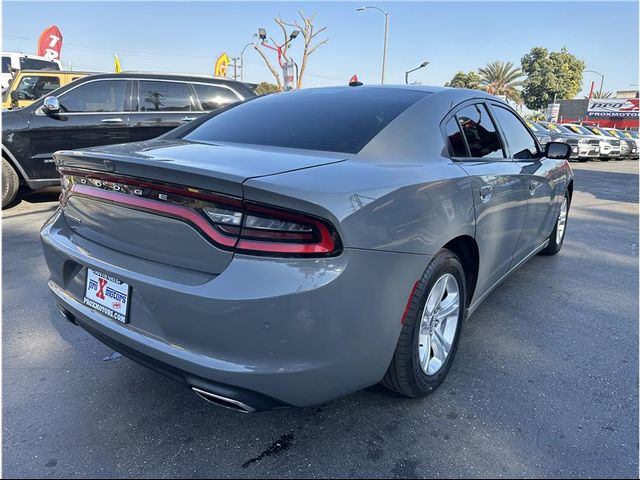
x,y
161,105
537,172
93,113
500,191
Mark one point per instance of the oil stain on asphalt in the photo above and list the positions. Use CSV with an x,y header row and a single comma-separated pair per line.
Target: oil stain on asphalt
x,y
283,444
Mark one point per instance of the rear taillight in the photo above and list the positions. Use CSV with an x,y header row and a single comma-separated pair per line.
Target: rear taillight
x,y
275,231
228,222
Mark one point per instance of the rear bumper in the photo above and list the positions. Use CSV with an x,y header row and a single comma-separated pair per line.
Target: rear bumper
x,y
268,332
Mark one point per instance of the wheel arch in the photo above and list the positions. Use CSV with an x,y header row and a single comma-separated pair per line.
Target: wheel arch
x,y
9,157
570,190
466,248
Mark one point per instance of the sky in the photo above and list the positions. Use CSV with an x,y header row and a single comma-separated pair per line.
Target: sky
x,y
452,36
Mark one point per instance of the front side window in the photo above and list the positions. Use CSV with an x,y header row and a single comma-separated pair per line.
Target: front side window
x,y
164,97
480,132
520,141
6,64
34,87
456,142
213,97
101,96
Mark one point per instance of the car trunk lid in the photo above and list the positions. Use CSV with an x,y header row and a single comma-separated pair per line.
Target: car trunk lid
x,y
151,199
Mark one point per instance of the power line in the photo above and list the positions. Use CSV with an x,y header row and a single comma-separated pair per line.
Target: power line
x,y
148,53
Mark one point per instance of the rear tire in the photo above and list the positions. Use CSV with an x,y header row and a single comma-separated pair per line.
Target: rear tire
x,y
582,160
10,183
415,356
557,239
604,159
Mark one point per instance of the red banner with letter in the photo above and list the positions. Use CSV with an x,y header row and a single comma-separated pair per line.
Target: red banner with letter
x,y
50,43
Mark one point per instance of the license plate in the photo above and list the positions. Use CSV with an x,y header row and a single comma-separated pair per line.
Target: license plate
x,y
107,295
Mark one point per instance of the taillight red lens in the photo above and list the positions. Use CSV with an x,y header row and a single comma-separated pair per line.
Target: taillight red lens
x,y
273,231
228,222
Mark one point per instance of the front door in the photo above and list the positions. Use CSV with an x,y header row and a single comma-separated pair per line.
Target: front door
x,y
538,171
500,191
92,114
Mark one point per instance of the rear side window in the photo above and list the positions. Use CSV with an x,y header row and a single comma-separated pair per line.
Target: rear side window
x,y
521,143
165,97
213,97
99,96
330,119
6,64
456,142
480,132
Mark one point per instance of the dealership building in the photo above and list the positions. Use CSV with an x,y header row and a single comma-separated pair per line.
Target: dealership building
x,y
619,112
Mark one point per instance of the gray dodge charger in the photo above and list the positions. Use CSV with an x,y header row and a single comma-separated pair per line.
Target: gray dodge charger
x,y
301,246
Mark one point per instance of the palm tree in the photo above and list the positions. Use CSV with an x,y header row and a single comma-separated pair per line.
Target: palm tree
x,y
601,94
502,78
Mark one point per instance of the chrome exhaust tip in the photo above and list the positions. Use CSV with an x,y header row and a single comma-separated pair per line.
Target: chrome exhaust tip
x,y
221,401
67,314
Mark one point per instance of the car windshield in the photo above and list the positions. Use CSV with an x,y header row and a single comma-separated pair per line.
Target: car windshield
x,y
542,128
579,129
329,119
534,127
600,131
562,129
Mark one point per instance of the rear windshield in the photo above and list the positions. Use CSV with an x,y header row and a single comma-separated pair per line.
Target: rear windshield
x,y
27,63
329,119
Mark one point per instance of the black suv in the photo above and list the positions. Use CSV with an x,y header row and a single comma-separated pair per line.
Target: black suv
x,y
100,110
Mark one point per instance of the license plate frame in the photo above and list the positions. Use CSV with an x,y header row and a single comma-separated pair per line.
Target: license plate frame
x,y
107,295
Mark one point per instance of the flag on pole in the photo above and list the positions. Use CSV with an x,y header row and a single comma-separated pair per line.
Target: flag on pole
x,y
221,65
118,68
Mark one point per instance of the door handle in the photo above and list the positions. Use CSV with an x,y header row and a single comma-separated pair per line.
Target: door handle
x,y
485,193
112,120
188,119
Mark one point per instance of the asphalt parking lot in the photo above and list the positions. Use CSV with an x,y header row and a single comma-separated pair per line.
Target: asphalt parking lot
x,y
545,383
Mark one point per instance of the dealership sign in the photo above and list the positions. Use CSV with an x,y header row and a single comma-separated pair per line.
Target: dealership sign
x,y
613,108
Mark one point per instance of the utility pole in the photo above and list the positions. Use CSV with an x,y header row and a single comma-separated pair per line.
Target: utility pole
x,y
235,67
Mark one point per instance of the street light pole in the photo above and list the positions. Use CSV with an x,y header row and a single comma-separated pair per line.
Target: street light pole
x,y
242,60
386,35
406,74
601,78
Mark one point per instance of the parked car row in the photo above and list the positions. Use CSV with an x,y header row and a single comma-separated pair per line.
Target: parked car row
x,y
589,142
100,110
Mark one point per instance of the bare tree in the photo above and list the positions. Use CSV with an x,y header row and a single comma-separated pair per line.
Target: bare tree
x,y
308,31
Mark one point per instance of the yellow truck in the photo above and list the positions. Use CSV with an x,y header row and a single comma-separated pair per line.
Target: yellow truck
x,y
29,85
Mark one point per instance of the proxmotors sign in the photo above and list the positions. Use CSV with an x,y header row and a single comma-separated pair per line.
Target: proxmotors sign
x,y
614,112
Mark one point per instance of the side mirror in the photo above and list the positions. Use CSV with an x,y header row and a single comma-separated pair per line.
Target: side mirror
x,y
15,95
51,105
557,151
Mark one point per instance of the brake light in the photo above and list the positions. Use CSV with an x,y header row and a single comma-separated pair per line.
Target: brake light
x,y
227,221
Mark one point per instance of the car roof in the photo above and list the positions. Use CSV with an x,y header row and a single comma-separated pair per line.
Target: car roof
x,y
51,70
165,76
